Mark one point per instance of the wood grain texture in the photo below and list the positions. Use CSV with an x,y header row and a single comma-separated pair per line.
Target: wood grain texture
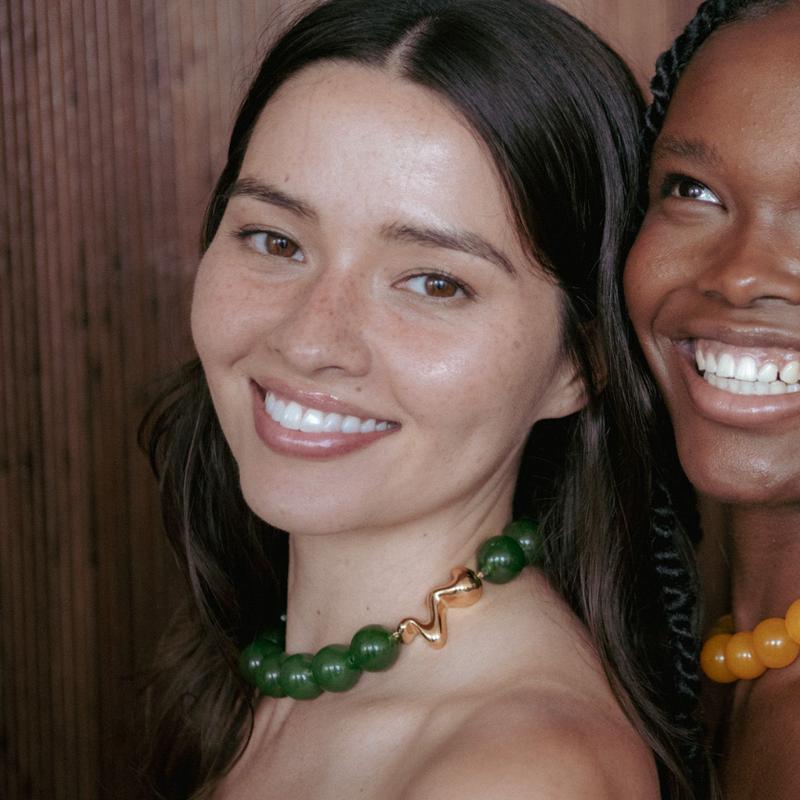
x,y
114,116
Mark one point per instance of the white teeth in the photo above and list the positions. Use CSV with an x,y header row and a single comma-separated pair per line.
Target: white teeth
x,y
736,386
768,373
746,369
292,416
351,425
711,363
277,410
726,366
333,423
791,372
313,421
700,359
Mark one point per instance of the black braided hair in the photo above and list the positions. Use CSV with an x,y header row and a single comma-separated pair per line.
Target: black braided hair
x,y
675,525
675,568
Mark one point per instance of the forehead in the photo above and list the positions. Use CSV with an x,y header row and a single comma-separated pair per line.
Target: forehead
x,y
341,128
742,88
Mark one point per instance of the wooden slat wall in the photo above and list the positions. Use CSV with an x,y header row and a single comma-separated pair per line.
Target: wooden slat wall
x,y
113,122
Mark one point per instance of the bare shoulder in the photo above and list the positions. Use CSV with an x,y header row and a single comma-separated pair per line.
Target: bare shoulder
x,y
543,746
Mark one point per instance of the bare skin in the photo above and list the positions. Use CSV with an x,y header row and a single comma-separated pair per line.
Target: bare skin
x,y
363,265
717,268
515,705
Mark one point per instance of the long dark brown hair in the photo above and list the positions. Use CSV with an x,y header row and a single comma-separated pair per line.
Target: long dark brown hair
x,y
559,114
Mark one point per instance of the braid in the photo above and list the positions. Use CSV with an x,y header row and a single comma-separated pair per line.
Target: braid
x,y
674,566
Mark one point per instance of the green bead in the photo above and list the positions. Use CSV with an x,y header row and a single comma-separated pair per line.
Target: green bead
x,y
253,655
500,559
276,635
296,678
267,676
525,532
333,669
373,648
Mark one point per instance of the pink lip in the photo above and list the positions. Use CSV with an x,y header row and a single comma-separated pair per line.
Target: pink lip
x,y
743,411
298,444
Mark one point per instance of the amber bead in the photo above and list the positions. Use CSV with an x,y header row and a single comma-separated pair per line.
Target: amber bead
x,y
773,645
740,658
500,559
723,625
712,659
793,620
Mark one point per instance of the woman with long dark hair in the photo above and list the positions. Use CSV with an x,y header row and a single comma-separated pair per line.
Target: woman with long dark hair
x,y
713,287
407,264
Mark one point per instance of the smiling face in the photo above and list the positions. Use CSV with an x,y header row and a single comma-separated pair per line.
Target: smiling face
x,y
713,280
376,340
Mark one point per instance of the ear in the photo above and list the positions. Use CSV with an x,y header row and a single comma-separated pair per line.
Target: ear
x,y
570,392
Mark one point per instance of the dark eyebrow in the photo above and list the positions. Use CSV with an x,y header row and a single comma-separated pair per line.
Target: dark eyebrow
x,y
463,241
248,187
690,149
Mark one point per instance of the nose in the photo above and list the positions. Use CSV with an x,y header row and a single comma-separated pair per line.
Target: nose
x,y
757,264
323,324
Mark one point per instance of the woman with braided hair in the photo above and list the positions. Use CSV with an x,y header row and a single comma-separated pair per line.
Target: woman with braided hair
x,y
713,288
400,318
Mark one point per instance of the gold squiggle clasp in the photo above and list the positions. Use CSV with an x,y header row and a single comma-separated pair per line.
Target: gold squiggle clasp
x,y
464,589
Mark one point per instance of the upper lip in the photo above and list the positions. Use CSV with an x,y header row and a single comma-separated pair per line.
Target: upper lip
x,y
314,399
737,334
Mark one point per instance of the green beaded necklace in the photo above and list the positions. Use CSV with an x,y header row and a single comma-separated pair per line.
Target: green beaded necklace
x,y
337,667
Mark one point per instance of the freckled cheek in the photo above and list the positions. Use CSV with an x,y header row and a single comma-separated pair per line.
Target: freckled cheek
x,y
228,316
447,382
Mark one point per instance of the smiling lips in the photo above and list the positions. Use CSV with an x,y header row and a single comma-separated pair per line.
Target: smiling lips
x,y
294,417
748,371
289,427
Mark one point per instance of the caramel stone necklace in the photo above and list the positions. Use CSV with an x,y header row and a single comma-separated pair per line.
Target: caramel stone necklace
x,y
774,643
337,667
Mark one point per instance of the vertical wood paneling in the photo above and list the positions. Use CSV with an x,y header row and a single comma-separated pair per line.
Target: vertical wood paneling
x,y
114,116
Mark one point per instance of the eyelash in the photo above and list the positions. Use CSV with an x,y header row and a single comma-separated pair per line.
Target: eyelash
x,y
672,181
248,234
464,288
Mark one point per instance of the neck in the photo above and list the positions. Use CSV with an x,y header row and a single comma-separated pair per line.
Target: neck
x,y
761,548
340,582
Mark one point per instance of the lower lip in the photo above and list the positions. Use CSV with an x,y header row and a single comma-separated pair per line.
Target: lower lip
x,y
298,444
740,410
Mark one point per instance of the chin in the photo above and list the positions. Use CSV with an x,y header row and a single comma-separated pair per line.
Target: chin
x,y
299,508
737,475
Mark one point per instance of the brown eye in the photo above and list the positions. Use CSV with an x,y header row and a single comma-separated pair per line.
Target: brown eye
x,y
277,245
439,286
690,189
